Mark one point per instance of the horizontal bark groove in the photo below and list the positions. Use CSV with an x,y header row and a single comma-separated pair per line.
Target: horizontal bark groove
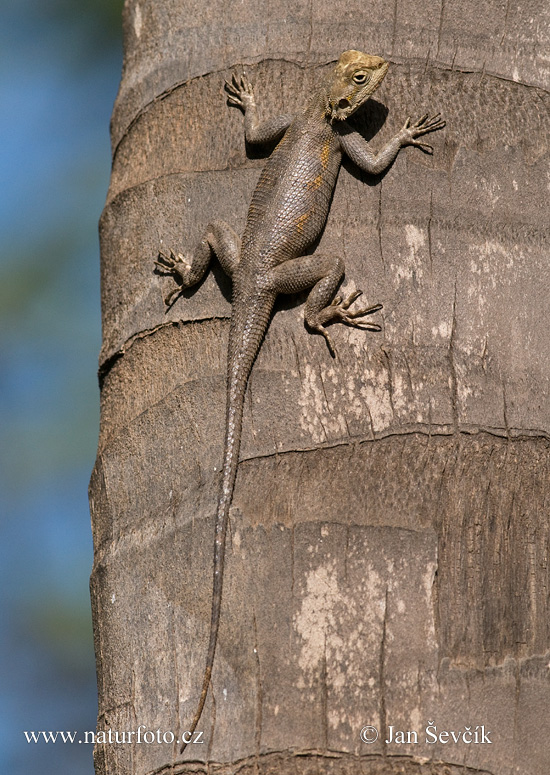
x,y
172,135
496,38
486,499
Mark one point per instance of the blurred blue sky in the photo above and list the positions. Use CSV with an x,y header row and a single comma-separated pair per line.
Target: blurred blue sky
x,y
59,69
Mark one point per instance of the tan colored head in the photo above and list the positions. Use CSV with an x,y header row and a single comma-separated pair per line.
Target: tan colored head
x,y
353,80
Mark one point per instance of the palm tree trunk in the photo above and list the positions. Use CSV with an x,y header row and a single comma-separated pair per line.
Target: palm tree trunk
x,y
387,560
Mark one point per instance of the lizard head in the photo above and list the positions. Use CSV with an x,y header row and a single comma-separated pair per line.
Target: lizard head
x,y
353,80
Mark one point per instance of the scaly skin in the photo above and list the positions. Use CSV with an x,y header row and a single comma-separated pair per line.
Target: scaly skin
x,y
288,211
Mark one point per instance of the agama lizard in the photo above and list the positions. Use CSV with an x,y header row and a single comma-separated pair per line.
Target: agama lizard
x,y
287,214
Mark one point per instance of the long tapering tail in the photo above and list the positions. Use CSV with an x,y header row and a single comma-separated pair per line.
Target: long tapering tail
x,y
247,331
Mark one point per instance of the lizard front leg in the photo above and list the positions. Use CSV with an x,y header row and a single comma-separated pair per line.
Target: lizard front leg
x,y
323,274
359,151
219,239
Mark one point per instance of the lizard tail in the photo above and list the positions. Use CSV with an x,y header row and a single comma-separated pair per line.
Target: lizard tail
x,y
244,342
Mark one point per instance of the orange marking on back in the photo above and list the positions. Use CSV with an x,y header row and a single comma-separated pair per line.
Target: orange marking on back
x,y
325,152
313,185
300,222
325,156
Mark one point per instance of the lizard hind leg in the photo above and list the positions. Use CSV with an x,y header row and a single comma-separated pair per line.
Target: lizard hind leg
x,y
323,274
220,239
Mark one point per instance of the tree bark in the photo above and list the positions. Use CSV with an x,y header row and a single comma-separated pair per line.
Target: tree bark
x,y
387,563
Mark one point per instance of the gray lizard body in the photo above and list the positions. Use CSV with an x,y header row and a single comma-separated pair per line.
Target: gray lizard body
x,y
287,213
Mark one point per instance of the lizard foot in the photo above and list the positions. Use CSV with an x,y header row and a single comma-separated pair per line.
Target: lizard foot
x,y
339,311
421,127
239,91
176,265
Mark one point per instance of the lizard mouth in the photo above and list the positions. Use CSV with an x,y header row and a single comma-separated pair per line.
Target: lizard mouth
x,y
341,110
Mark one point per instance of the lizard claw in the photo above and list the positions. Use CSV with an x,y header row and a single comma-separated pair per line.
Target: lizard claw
x,y
169,263
421,127
175,265
426,124
351,298
338,311
170,298
322,330
423,146
420,120
351,319
342,313
239,91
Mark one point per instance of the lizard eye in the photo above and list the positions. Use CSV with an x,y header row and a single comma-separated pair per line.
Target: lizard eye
x,y
360,78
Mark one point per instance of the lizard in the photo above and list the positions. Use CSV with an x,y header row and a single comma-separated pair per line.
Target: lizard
x,y
287,214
